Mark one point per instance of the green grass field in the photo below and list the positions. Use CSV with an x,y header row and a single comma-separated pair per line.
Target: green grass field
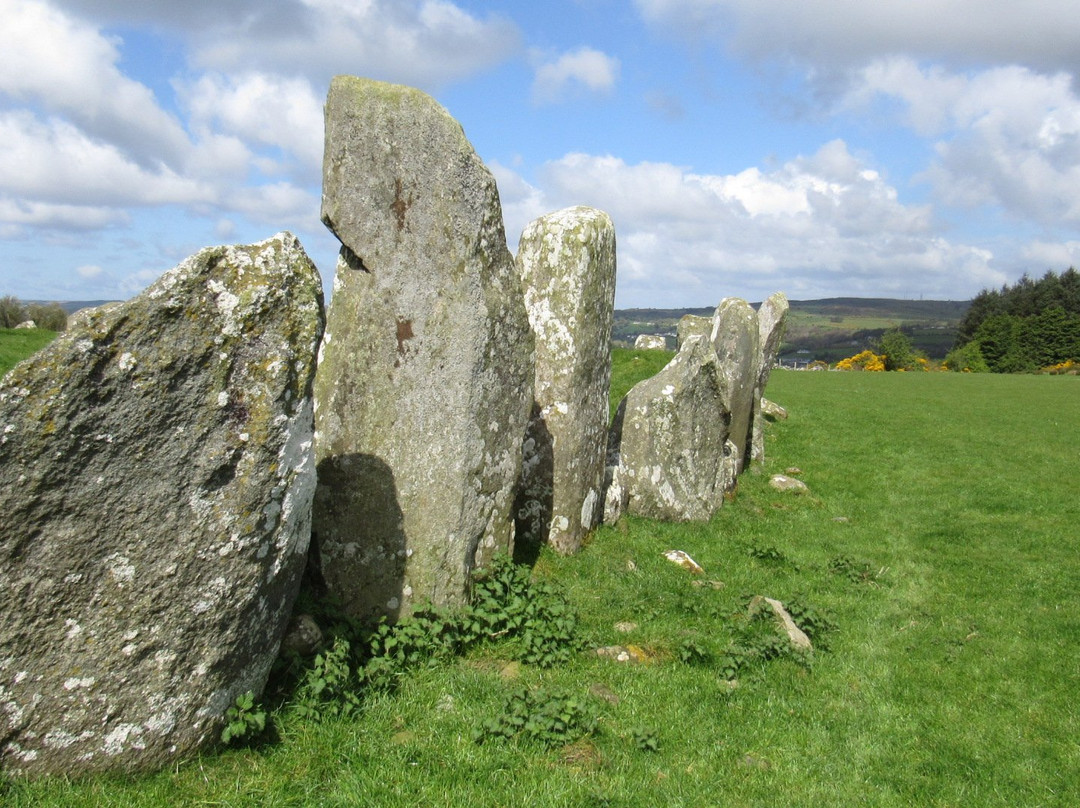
x,y
18,343
941,539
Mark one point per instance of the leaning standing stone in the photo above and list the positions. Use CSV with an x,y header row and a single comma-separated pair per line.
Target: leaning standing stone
x,y
156,477
567,265
425,379
671,434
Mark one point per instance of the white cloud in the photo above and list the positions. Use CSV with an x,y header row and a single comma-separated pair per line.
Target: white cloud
x,y
1050,255
830,34
88,271
69,68
53,161
262,109
424,43
822,225
1008,136
585,67
19,214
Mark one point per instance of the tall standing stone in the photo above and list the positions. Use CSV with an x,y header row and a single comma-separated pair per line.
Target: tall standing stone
x,y
425,380
670,440
737,344
156,480
772,317
566,261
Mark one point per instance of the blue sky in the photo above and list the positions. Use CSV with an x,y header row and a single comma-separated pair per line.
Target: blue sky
x,y
900,148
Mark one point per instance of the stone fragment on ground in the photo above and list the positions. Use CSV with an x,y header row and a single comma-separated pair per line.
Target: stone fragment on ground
x,y
795,635
156,479
789,485
624,653
682,559
773,411
425,381
566,261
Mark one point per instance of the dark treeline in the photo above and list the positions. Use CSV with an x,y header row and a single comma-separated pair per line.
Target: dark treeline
x,y
1031,325
50,316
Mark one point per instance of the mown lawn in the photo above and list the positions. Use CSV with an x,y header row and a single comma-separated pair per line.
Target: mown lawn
x,y
940,538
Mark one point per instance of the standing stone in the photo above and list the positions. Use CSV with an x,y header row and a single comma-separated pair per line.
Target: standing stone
x,y
691,325
737,344
671,432
425,379
156,478
567,265
650,342
772,317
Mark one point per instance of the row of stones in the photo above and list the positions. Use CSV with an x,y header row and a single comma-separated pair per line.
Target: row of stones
x,y
164,464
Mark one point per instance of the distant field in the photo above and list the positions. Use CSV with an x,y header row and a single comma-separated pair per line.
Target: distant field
x,y
829,329
939,542
18,343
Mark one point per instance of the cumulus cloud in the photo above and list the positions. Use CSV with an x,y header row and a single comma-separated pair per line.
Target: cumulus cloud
x,y
1006,136
69,68
818,225
264,109
585,68
424,43
832,34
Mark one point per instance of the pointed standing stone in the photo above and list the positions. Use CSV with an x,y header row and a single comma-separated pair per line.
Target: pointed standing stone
x,y
567,264
425,379
156,480
772,317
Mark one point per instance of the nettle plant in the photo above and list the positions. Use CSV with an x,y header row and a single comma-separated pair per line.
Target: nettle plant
x,y
530,621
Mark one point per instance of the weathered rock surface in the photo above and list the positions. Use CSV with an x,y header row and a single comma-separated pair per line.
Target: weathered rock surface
x,y
156,478
670,433
691,325
650,342
737,344
772,317
566,261
425,381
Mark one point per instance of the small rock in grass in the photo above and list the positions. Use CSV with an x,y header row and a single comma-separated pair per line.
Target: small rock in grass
x,y
785,623
625,627
683,560
623,653
782,482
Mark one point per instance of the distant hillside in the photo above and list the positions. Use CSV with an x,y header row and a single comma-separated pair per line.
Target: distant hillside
x,y
828,329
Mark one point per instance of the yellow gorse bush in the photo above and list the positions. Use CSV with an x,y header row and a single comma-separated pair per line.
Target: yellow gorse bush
x,y
867,360
1070,367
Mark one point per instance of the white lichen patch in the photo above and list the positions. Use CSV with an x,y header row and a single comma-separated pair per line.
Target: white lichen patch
x,y
120,568
79,682
123,735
